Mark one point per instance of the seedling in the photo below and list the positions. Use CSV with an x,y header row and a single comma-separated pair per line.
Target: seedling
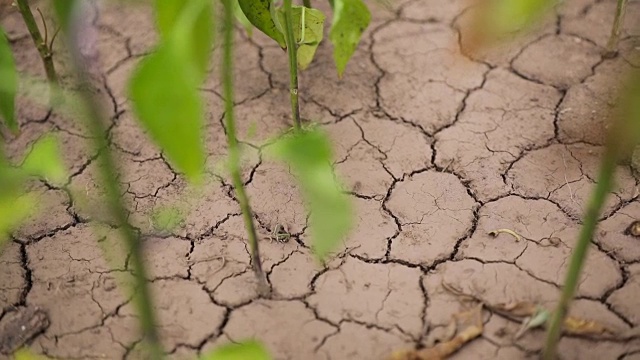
x,y
299,30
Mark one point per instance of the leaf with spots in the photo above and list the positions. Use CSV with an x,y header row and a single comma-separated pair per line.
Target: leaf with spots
x,y
259,14
309,155
242,18
350,20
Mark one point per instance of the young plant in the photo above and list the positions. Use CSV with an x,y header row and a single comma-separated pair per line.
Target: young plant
x,y
299,29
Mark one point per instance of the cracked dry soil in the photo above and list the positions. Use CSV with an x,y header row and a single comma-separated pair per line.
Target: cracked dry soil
x,y
436,149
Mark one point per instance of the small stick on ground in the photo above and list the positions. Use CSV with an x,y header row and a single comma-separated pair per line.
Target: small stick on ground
x,y
496,232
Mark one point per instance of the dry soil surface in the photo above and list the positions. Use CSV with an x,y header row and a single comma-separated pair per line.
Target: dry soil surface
x,y
436,149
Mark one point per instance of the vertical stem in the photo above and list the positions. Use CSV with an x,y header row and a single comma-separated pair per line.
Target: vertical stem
x,y
598,197
95,122
292,49
612,44
234,156
307,3
41,45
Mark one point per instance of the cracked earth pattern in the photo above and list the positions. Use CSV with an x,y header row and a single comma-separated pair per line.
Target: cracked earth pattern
x,y
436,149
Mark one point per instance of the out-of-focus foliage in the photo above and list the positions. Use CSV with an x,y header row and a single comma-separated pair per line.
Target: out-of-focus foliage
x,y
8,83
164,87
16,203
309,155
249,350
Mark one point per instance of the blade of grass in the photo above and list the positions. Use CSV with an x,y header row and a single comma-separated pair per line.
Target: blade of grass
x,y
604,183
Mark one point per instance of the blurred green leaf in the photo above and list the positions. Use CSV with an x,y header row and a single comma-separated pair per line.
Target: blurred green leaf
x,y
308,26
503,17
14,209
309,155
250,350
64,10
165,97
624,131
259,14
167,219
193,23
45,161
166,100
9,83
350,20
24,354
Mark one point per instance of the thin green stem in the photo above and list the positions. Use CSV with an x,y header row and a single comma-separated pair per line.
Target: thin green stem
x,y
43,48
307,3
234,152
598,197
292,50
95,122
612,44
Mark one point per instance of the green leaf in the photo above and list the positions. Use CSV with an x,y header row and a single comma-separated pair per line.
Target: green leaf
x,y
501,17
64,10
9,83
259,14
350,20
14,209
309,155
250,350
308,26
45,161
191,21
165,97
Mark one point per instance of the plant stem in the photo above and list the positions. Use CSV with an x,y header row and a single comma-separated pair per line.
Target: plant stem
x,y
612,44
307,3
95,122
234,154
43,48
292,49
598,197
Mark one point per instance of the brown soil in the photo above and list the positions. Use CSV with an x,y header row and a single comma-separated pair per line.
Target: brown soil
x,y
437,150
